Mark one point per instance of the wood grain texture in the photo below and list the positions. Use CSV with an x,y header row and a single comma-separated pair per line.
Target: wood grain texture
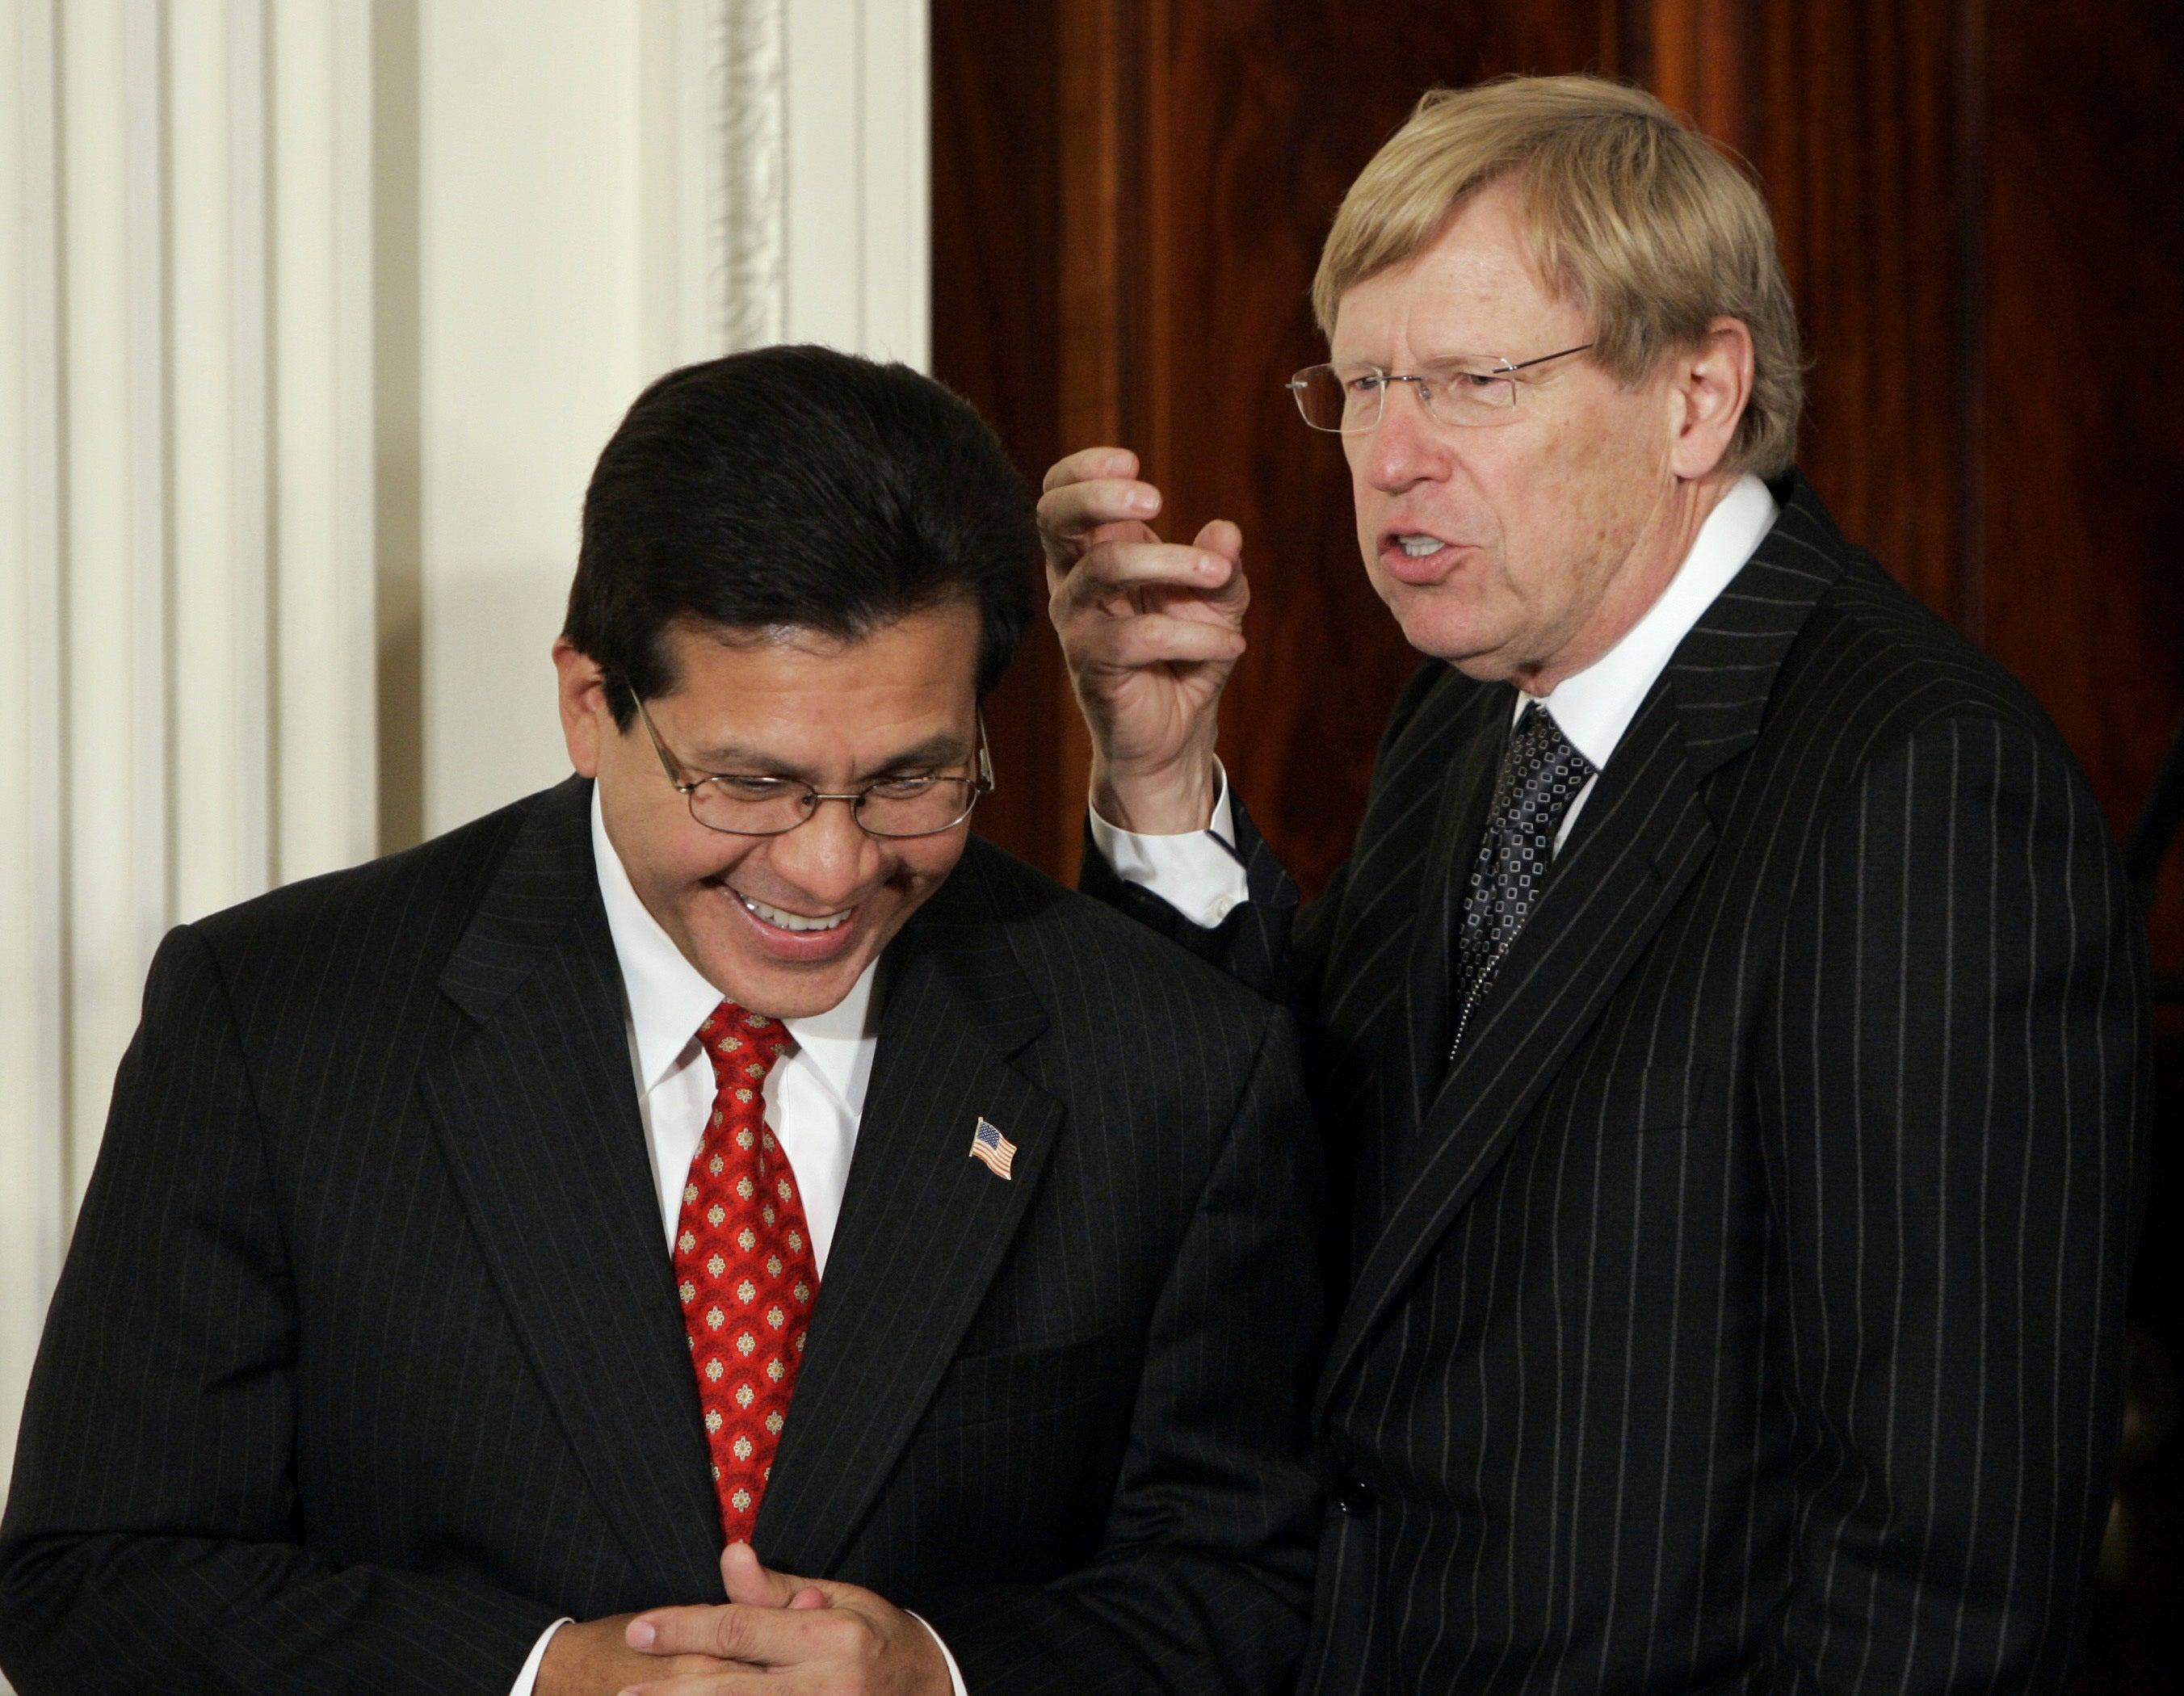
x,y
1979,205
2084,351
1854,134
997,271
1129,197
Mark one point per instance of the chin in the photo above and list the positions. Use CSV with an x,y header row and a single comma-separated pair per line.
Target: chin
x,y
792,990
1441,630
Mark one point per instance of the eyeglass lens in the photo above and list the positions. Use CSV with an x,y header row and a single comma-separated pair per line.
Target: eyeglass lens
x,y
765,807
1349,398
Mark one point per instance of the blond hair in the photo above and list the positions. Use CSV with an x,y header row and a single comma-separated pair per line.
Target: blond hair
x,y
1628,212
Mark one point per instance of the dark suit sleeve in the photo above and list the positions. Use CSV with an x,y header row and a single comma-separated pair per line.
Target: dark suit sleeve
x,y
1951,1100
1267,942
1205,1578
1252,944
152,1540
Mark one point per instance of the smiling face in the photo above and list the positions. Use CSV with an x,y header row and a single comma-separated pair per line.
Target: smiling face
x,y
783,924
1520,550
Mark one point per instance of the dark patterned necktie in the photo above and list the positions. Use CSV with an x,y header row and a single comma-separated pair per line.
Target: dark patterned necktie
x,y
743,1266
1540,776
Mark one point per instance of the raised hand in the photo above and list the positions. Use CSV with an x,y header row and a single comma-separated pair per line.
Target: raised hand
x,y
1151,631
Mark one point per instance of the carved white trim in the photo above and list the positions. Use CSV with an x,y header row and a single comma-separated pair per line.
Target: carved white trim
x,y
751,146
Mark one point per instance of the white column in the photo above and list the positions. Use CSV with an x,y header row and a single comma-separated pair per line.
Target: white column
x,y
533,341
198,440
33,1024
607,190
858,267
324,480
186,525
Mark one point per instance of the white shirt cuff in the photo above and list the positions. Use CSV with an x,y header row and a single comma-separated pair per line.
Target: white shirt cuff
x,y
954,1672
526,1679
529,1675
1197,872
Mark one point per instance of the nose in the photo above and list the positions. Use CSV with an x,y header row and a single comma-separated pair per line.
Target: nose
x,y
1407,446
828,857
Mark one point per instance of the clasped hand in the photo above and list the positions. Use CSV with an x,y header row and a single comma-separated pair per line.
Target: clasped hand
x,y
778,1636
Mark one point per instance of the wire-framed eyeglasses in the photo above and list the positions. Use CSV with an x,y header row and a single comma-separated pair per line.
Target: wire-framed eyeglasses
x,y
1465,389
908,805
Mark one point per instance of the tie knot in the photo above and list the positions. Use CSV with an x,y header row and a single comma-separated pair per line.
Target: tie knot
x,y
743,1046
1542,765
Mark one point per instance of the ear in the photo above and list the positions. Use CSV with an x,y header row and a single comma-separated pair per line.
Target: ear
x,y
1712,385
586,720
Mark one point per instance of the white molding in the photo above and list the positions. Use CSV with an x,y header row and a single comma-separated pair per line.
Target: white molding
x,y
189,474
141,457
33,1004
749,151
325,756
858,169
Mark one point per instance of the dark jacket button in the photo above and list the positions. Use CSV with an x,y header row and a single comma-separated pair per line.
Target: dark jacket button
x,y
1354,1497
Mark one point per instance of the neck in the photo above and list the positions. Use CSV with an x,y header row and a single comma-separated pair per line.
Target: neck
x,y
1662,544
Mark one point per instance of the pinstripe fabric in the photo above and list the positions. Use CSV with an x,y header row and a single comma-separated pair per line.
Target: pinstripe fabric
x,y
367,1362
1744,1309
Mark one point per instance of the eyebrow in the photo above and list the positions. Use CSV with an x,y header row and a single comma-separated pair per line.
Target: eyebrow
x,y
731,760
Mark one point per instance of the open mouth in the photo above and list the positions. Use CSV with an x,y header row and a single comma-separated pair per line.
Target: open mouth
x,y
1417,545
783,919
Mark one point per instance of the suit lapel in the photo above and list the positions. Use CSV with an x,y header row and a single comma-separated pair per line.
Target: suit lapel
x,y
536,1114
1643,836
923,1227
1473,760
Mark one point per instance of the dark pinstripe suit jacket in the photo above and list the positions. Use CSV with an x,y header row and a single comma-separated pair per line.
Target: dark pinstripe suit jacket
x,y
367,1364
1741,1310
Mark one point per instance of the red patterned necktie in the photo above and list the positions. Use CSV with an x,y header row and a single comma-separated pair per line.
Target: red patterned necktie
x,y
744,1265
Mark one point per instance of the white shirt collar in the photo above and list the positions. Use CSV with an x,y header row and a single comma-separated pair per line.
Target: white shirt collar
x,y
669,998
1594,707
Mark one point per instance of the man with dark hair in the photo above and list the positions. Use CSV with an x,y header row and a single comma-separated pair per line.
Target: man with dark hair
x,y
716,1177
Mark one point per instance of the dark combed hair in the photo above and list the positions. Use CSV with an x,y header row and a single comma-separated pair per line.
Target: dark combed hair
x,y
798,488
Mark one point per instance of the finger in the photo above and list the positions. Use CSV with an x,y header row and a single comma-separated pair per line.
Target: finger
x,y
765,1636
1153,639
1074,511
696,1675
1114,567
716,1681
1089,463
748,1580
1222,538
729,1633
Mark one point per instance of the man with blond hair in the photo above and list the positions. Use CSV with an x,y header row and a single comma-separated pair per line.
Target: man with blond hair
x,y
1729,1028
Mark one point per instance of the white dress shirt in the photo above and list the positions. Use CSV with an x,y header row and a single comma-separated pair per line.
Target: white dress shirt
x,y
1198,873
814,1098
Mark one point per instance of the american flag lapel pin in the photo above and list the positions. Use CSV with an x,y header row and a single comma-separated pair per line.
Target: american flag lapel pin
x,y
989,1145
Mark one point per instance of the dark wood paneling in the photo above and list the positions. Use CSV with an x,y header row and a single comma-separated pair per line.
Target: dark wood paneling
x,y
1259,117
1981,209
2082,487
1184,162
1977,206
1854,133
997,230
2084,463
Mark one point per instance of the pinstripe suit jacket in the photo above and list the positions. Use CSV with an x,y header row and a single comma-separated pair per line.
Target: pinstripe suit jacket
x,y
1742,1308
366,1363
